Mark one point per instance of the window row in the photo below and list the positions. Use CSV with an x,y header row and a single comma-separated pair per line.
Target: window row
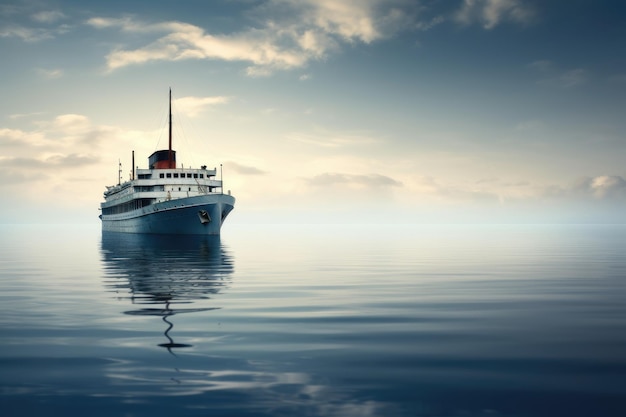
x,y
126,207
182,175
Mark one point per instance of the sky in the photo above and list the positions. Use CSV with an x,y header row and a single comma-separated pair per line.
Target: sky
x,y
321,111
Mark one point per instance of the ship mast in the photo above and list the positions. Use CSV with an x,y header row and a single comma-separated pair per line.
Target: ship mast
x,y
170,134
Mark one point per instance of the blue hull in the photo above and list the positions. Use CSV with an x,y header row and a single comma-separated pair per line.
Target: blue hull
x,y
200,215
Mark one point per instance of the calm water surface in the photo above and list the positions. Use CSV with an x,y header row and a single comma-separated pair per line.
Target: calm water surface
x,y
314,321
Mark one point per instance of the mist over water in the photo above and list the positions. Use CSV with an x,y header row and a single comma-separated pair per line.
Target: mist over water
x,y
315,320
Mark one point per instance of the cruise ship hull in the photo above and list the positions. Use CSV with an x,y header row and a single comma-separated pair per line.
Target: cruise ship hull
x,y
198,215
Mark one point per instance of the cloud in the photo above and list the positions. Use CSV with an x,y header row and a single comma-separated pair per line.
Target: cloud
x,y
484,190
360,181
66,131
554,76
20,169
427,25
20,177
244,169
304,30
327,139
53,149
49,16
42,20
128,24
349,20
26,34
23,162
21,137
184,41
72,160
50,73
491,13
573,77
193,106
71,123
601,187
16,116
542,65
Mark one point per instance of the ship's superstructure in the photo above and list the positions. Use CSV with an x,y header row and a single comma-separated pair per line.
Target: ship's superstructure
x,y
167,199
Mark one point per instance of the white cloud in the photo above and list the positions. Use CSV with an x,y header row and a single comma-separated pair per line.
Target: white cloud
x,y
26,34
73,160
193,106
63,132
602,187
128,24
244,169
593,190
104,22
21,137
49,16
50,73
490,13
438,190
16,116
258,71
328,139
350,20
54,148
307,30
42,26
186,41
353,180
427,25
32,35
71,123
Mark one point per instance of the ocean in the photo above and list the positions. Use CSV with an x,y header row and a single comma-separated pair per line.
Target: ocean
x,y
314,320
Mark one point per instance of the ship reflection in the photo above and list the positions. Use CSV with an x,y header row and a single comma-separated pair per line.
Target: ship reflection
x,y
160,274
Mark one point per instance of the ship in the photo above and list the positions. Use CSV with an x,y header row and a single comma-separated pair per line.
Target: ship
x,y
166,199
